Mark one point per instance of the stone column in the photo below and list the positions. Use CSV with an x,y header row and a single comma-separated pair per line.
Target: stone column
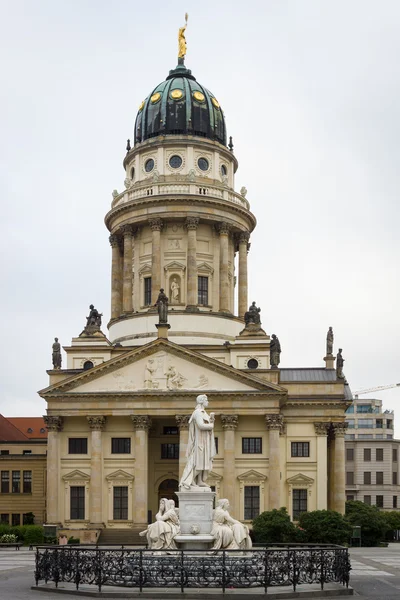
x,y
96,425
274,425
243,239
224,229
141,425
183,424
156,226
339,479
229,425
116,295
127,289
192,223
54,426
321,429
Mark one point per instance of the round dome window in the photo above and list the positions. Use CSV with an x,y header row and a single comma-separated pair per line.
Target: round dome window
x,y
88,365
149,165
175,161
223,170
252,363
203,164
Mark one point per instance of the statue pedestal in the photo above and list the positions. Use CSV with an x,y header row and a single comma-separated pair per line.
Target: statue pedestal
x,y
196,517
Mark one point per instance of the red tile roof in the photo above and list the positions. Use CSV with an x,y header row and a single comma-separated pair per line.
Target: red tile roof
x,y
31,427
10,433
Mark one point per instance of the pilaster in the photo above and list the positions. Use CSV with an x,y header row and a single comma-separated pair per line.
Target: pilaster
x,y
229,426
192,224
54,425
182,422
274,425
127,289
141,425
156,226
224,230
243,242
116,277
321,430
339,496
96,424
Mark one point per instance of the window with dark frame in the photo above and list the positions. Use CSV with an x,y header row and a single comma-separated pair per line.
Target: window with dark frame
x,y
27,482
301,449
367,500
379,501
15,519
77,446
16,482
394,478
147,291
26,451
394,501
349,478
379,454
5,482
394,454
170,451
216,445
251,502
77,497
299,503
349,497
120,509
120,445
4,452
168,430
379,478
349,453
367,454
202,290
252,445
367,477
5,519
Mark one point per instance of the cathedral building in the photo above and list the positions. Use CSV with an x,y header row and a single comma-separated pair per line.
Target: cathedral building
x,y
117,415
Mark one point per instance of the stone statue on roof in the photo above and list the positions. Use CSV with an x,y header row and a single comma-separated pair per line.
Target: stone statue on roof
x,y
162,307
339,364
56,355
329,342
275,352
252,316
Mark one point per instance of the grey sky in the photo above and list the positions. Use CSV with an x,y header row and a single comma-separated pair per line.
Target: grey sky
x,y
310,91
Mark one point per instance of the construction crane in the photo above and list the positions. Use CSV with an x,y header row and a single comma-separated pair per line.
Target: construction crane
x,y
376,389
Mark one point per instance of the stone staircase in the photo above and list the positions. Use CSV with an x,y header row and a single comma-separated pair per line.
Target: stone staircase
x,y
121,537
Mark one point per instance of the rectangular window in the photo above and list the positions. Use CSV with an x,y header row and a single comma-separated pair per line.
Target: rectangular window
x,y
379,423
5,518
15,519
367,454
394,454
4,452
350,423
349,453
349,478
202,290
26,451
394,501
26,519
252,445
27,482
349,436
379,501
379,454
170,431
367,477
389,436
77,446
349,497
364,408
365,436
170,451
121,503
5,482
301,449
367,500
379,478
365,423
216,444
394,478
379,436
350,410
389,424
147,291
77,493
16,482
299,503
120,445
251,502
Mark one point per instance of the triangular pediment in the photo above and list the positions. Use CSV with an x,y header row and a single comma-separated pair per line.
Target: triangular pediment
x,y
120,475
300,479
162,366
76,475
252,475
213,476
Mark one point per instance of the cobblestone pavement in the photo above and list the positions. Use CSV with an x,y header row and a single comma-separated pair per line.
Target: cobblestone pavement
x,y
375,573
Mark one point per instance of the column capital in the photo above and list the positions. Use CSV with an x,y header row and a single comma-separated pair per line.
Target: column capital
x,y
192,222
322,428
114,241
127,230
340,428
141,422
156,224
223,228
243,237
182,421
274,422
53,423
229,422
97,423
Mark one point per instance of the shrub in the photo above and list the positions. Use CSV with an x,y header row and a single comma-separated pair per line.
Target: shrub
x,y
4,529
8,538
29,518
34,535
73,540
325,527
372,521
19,531
274,526
392,520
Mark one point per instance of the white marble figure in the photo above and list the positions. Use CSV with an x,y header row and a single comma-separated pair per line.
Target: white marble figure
x,y
201,446
228,533
174,291
149,372
160,534
175,380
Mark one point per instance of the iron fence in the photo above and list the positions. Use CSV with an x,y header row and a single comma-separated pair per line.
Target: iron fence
x,y
224,569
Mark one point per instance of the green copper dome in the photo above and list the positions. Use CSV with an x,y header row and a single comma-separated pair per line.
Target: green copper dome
x,y
180,105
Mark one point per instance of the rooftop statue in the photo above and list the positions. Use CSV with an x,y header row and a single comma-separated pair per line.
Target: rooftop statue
x,y
182,46
275,352
56,356
339,364
329,342
201,447
252,316
94,319
162,306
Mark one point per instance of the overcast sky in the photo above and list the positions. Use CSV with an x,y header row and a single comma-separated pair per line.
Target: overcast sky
x,y
311,95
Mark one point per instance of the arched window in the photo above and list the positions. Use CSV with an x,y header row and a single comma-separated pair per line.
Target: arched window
x,y
88,365
252,363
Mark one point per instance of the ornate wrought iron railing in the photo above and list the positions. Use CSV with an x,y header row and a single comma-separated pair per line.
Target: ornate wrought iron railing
x,y
225,569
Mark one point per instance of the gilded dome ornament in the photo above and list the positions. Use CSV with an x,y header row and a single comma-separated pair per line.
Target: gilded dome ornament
x,y
176,94
155,98
182,46
198,96
141,106
215,102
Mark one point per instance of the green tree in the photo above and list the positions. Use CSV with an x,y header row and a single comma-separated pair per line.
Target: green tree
x,y
325,527
392,520
372,521
274,527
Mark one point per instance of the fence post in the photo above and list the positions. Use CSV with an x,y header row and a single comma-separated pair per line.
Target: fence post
x,y
98,558
77,574
141,570
322,569
182,572
223,572
37,563
266,570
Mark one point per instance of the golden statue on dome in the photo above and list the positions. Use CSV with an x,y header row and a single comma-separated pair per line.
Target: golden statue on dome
x,y
182,41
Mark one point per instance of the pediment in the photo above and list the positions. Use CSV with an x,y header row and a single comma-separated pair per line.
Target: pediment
x,y
300,479
162,366
252,475
120,475
76,475
175,265
212,476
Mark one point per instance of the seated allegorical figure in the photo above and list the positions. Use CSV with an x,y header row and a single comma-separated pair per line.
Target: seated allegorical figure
x,y
160,534
228,533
